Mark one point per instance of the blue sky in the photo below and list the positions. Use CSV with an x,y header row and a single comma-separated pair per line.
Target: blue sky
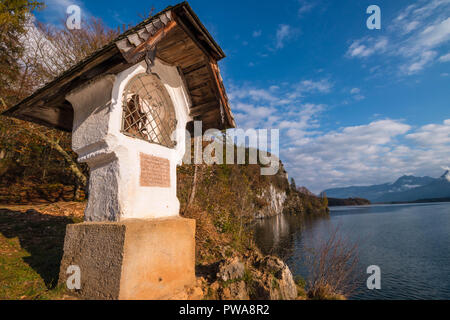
x,y
354,106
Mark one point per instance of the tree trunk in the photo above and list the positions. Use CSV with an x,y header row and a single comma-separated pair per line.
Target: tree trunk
x,y
194,187
81,178
197,145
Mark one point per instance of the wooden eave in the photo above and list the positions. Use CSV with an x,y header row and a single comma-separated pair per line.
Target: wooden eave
x,y
180,39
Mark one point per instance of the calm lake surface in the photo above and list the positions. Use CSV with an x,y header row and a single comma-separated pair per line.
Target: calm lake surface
x,y
410,243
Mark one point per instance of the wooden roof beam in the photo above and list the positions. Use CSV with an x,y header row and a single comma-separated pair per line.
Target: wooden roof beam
x,y
198,110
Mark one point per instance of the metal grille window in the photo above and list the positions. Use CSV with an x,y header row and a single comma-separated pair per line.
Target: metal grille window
x,y
148,112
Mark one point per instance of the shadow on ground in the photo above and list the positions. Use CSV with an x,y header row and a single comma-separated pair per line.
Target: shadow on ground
x,y
42,236
208,272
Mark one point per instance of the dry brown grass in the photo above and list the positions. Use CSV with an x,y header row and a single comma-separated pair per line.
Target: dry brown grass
x,y
57,209
208,240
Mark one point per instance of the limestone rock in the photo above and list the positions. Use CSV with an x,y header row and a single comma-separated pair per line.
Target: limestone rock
x,y
231,269
274,280
235,291
276,199
251,276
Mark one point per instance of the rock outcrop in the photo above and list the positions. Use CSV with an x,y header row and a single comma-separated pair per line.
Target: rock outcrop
x,y
252,276
272,279
275,199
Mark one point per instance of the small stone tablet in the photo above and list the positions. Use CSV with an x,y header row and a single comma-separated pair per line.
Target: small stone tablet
x,y
155,172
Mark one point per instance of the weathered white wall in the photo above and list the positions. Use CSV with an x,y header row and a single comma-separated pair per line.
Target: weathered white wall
x,y
115,193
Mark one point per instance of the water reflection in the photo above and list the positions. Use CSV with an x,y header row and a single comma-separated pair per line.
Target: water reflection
x,y
410,243
277,235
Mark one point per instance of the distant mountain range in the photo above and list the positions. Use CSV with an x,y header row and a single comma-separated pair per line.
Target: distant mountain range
x,y
405,189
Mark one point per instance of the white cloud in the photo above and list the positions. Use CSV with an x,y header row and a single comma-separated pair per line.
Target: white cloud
x,y
305,7
356,94
311,86
367,46
420,11
414,38
378,152
55,11
257,33
411,26
432,134
346,156
284,96
284,33
275,107
372,153
418,63
435,34
256,95
445,58
376,133
58,5
274,88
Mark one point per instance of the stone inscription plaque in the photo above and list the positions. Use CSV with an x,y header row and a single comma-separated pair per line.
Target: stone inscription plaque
x,y
155,172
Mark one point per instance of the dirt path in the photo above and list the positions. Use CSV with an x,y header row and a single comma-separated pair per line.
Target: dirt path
x,y
61,209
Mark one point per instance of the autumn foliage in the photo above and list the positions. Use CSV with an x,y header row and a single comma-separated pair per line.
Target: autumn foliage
x,y
31,55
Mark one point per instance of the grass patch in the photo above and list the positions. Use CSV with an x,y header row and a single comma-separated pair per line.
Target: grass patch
x,y
31,248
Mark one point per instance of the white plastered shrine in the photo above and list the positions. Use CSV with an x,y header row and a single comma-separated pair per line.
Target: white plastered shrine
x,y
123,168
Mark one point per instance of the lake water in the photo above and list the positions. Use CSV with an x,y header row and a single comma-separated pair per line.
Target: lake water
x,y
410,243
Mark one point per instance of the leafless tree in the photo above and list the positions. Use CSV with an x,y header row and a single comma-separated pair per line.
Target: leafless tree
x,y
332,268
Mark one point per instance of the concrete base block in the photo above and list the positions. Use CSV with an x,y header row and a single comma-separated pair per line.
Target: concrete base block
x,y
131,260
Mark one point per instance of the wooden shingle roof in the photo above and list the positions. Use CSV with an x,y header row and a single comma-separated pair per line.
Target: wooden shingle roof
x,y
180,39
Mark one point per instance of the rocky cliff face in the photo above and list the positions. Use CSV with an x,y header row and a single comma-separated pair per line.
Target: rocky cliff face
x,y
243,191
275,199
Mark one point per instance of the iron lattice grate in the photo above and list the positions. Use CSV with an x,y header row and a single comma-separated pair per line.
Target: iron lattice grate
x,y
148,112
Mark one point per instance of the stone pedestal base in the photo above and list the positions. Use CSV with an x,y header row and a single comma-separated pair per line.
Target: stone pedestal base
x,y
131,260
